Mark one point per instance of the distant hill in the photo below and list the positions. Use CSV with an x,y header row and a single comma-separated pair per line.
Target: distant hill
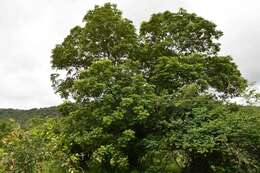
x,y
23,115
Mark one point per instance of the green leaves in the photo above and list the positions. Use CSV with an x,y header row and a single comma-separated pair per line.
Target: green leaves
x,y
105,35
152,102
109,155
180,33
172,73
228,79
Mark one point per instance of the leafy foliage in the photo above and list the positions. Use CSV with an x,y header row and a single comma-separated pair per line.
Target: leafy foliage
x,y
21,116
106,34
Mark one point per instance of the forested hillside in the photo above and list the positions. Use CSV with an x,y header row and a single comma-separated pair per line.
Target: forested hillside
x,y
22,116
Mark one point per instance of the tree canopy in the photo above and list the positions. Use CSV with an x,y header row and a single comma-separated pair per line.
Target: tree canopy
x,y
148,101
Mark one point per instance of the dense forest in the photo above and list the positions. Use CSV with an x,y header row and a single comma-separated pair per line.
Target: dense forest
x,y
22,116
153,100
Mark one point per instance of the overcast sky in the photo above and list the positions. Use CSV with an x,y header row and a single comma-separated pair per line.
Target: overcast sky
x,y
29,29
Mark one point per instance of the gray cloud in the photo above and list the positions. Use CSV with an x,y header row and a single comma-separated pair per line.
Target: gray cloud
x,y
29,29
239,20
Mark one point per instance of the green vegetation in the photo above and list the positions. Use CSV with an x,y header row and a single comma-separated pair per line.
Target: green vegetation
x,y
153,101
21,116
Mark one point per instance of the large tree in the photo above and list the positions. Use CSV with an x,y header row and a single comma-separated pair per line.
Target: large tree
x,y
149,102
